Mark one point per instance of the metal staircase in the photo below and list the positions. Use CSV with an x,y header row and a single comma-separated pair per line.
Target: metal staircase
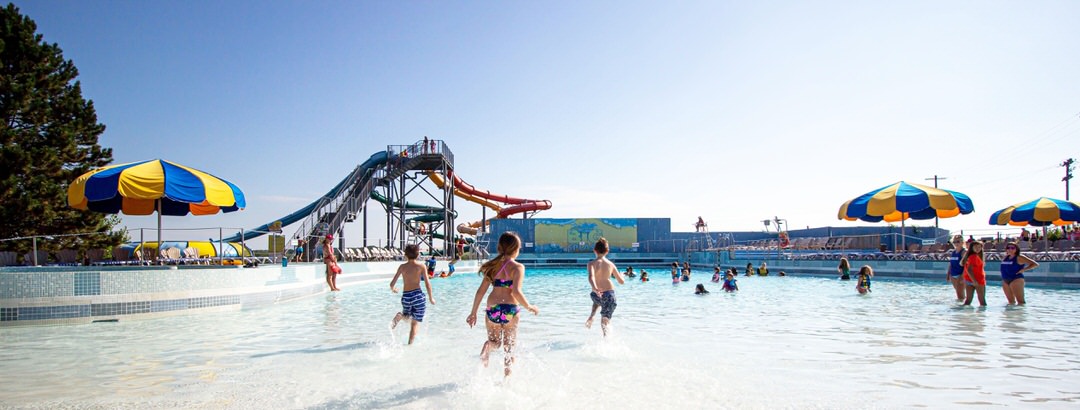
x,y
331,213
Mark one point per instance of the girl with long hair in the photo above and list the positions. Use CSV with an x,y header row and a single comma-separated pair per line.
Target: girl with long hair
x,y
505,276
956,270
1013,266
974,274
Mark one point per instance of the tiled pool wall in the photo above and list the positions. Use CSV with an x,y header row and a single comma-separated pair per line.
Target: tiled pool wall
x,y
1053,274
74,295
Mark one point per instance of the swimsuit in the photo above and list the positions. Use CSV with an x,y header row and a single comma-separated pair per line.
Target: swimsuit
x,y
716,277
730,286
975,275
1010,270
502,313
413,304
606,301
845,274
954,264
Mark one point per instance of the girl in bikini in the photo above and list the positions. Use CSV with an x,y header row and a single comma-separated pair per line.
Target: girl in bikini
x,y
505,276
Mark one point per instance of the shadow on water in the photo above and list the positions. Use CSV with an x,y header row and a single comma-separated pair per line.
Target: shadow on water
x,y
351,346
392,399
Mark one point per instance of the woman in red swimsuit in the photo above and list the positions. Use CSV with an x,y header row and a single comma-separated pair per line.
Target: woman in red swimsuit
x,y
974,274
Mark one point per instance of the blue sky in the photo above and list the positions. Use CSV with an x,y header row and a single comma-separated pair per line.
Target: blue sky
x,y
735,111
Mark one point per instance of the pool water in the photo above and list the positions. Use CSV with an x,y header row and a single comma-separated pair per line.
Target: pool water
x,y
778,342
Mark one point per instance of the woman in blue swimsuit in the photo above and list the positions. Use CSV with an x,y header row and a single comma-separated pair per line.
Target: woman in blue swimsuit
x,y
504,275
1013,266
956,270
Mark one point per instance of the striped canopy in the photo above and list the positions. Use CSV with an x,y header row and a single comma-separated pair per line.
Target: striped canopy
x,y
1040,212
903,200
136,188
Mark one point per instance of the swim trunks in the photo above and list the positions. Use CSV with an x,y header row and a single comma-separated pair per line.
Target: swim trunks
x,y
606,301
502,313
413,304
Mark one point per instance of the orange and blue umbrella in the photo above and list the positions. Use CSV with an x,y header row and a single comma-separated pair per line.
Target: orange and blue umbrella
x,y
903,200
141,188
1040,212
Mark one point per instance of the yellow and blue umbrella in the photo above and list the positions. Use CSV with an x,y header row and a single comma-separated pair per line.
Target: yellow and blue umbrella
x,y
141,188
903,200
1040,212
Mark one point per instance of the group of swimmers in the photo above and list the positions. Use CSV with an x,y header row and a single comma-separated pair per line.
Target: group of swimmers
x,y
862,285
967,272
968,277
505,277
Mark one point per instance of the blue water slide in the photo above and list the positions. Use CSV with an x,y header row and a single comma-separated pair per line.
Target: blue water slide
x,y
376,160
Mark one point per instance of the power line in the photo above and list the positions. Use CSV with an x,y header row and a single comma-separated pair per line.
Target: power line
x,y
935,178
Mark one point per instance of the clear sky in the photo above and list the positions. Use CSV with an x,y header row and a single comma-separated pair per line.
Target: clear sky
x,y
734,111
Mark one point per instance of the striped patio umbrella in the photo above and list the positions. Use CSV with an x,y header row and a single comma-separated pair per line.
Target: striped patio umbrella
x,y
903,200
1039,212
142,188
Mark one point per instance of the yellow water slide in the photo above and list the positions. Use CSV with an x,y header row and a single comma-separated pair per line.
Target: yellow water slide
x,y
465,228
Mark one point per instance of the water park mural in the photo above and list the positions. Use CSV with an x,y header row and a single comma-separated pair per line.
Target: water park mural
x,y
579,235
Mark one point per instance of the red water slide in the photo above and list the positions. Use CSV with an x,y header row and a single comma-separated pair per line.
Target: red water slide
x,y
518,205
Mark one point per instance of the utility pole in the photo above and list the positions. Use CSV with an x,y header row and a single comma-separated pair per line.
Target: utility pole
x,y
935,178
1068,164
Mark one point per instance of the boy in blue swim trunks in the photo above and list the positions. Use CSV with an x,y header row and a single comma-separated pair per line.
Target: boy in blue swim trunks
x,y
603,292
412,300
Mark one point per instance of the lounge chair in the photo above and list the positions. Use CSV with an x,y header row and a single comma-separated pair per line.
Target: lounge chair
x,y
67,257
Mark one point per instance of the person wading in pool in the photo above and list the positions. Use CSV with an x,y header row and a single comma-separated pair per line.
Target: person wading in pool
x,y
974,275
956,270
603,292
1013,266
505,276
412,298
330,260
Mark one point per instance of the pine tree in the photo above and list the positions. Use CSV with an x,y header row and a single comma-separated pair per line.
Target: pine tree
x,y
48,137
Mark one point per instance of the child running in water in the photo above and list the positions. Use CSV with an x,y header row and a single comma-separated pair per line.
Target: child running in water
x,y
865,273
674,273
974,275
603,292
730,284
506,277
412,299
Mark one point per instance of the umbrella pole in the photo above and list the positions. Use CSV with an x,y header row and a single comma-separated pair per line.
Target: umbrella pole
x,y
1046,244
903,238
159,247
